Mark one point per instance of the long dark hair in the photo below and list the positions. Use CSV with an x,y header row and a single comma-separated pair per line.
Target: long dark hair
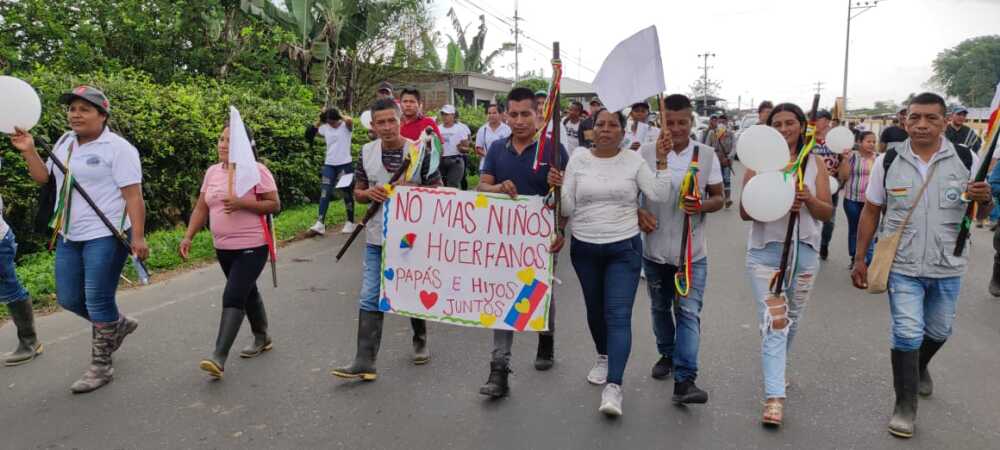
x,y
799,115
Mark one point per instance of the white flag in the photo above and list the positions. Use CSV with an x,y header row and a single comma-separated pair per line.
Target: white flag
x,y
632,72
241,154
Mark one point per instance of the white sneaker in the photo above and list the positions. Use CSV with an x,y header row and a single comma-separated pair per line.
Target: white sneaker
x,y
348,228
318,228
611,400
599,374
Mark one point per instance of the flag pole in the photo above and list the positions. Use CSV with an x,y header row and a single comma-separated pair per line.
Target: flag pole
x,y
556,154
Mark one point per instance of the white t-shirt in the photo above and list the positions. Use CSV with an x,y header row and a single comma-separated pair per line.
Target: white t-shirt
x,y
338,144
679,163
4,228
875,193
452,136
601,195
570,133
486,136
639,135
102,167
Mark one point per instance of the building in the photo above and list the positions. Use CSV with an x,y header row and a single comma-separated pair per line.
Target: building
x,y
710,106
572,89
440,88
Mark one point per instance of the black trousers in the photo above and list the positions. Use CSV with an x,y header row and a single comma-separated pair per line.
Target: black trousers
x,y
242,268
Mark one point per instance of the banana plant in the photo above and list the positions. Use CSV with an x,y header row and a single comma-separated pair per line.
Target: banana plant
x,y
464,56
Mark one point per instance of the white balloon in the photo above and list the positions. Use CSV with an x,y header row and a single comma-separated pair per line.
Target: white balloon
x,y
840,139
366,120
762,149
19,105
834,185
768,196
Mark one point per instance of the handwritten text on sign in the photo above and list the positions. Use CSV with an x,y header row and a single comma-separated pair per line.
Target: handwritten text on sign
x,y
467,258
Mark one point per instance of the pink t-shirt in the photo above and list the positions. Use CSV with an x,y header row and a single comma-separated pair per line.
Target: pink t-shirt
x,y
241,229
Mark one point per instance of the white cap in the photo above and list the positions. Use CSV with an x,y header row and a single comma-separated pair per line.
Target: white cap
x,y
448,109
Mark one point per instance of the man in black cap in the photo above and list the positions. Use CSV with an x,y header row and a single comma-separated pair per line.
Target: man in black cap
x,y
960,134
384,90
722,141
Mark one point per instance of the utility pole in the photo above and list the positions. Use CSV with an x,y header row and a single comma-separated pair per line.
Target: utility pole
x,y
819,87
704,80
861,7
517,45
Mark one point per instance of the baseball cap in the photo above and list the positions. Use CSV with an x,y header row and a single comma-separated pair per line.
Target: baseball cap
x,y
640,105
385,86
959,110
448,109
824,114
89,94
595,100
541,93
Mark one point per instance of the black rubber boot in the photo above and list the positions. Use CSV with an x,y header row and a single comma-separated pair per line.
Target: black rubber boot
x,y
545,358
229,327
497,384
257,316
905,378
28,347
663,368
369,339
686,392
927,351
995,281
421,355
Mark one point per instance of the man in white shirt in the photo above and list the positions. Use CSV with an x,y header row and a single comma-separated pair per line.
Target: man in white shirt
x,y
494,130
337,132
455,144
663,224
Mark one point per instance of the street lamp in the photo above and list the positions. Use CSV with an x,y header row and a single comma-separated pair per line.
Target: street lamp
x,y
860,7
704,85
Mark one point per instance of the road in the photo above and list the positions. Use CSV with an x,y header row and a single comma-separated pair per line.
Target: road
x,y
840,397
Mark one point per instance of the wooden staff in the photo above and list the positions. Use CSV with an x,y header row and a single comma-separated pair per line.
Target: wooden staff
x,y
984,166
556,153
793,218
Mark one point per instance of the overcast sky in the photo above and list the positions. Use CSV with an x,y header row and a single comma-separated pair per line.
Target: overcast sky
x,y
765,49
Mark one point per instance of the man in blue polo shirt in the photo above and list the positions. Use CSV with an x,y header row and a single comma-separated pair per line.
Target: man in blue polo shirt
x,y
509,169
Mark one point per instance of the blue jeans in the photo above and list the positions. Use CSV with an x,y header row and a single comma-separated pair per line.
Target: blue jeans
x,y
609,277
762,264
853,211
330,175
827,234
10,288
666,306
995,213
87,275
921,307
371,278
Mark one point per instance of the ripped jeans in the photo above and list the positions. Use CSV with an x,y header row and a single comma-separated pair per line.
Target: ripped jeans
x,y
777,337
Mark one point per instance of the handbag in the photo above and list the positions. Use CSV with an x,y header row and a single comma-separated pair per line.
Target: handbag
x,y
886,248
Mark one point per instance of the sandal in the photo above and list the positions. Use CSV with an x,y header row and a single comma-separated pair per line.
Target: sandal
x,y
774,410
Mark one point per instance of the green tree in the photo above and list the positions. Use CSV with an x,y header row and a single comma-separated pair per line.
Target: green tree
x,y
465,56
970,70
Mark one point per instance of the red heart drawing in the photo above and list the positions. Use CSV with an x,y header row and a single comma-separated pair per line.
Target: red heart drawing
x,y
429,299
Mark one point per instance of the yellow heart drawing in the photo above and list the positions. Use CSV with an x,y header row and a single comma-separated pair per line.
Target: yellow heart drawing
x,y
487,320
388,189
523,306
482,201
526,275
538,323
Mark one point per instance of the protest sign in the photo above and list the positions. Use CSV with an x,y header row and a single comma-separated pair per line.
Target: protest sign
x,y
467,258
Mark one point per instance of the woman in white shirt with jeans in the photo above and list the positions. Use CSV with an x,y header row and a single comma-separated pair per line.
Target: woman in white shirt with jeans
x,y
600,197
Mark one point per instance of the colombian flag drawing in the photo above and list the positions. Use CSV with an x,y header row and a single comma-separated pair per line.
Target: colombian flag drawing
x,y
527,301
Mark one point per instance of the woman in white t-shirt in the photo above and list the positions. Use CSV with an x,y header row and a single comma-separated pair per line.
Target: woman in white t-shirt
x,y
600,197
779,317
337,133
494,130
89,258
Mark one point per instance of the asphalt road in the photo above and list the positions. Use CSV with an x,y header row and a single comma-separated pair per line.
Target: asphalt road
x,y
841,394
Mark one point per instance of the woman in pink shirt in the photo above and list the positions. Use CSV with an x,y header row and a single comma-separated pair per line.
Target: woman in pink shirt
x,y
238,235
